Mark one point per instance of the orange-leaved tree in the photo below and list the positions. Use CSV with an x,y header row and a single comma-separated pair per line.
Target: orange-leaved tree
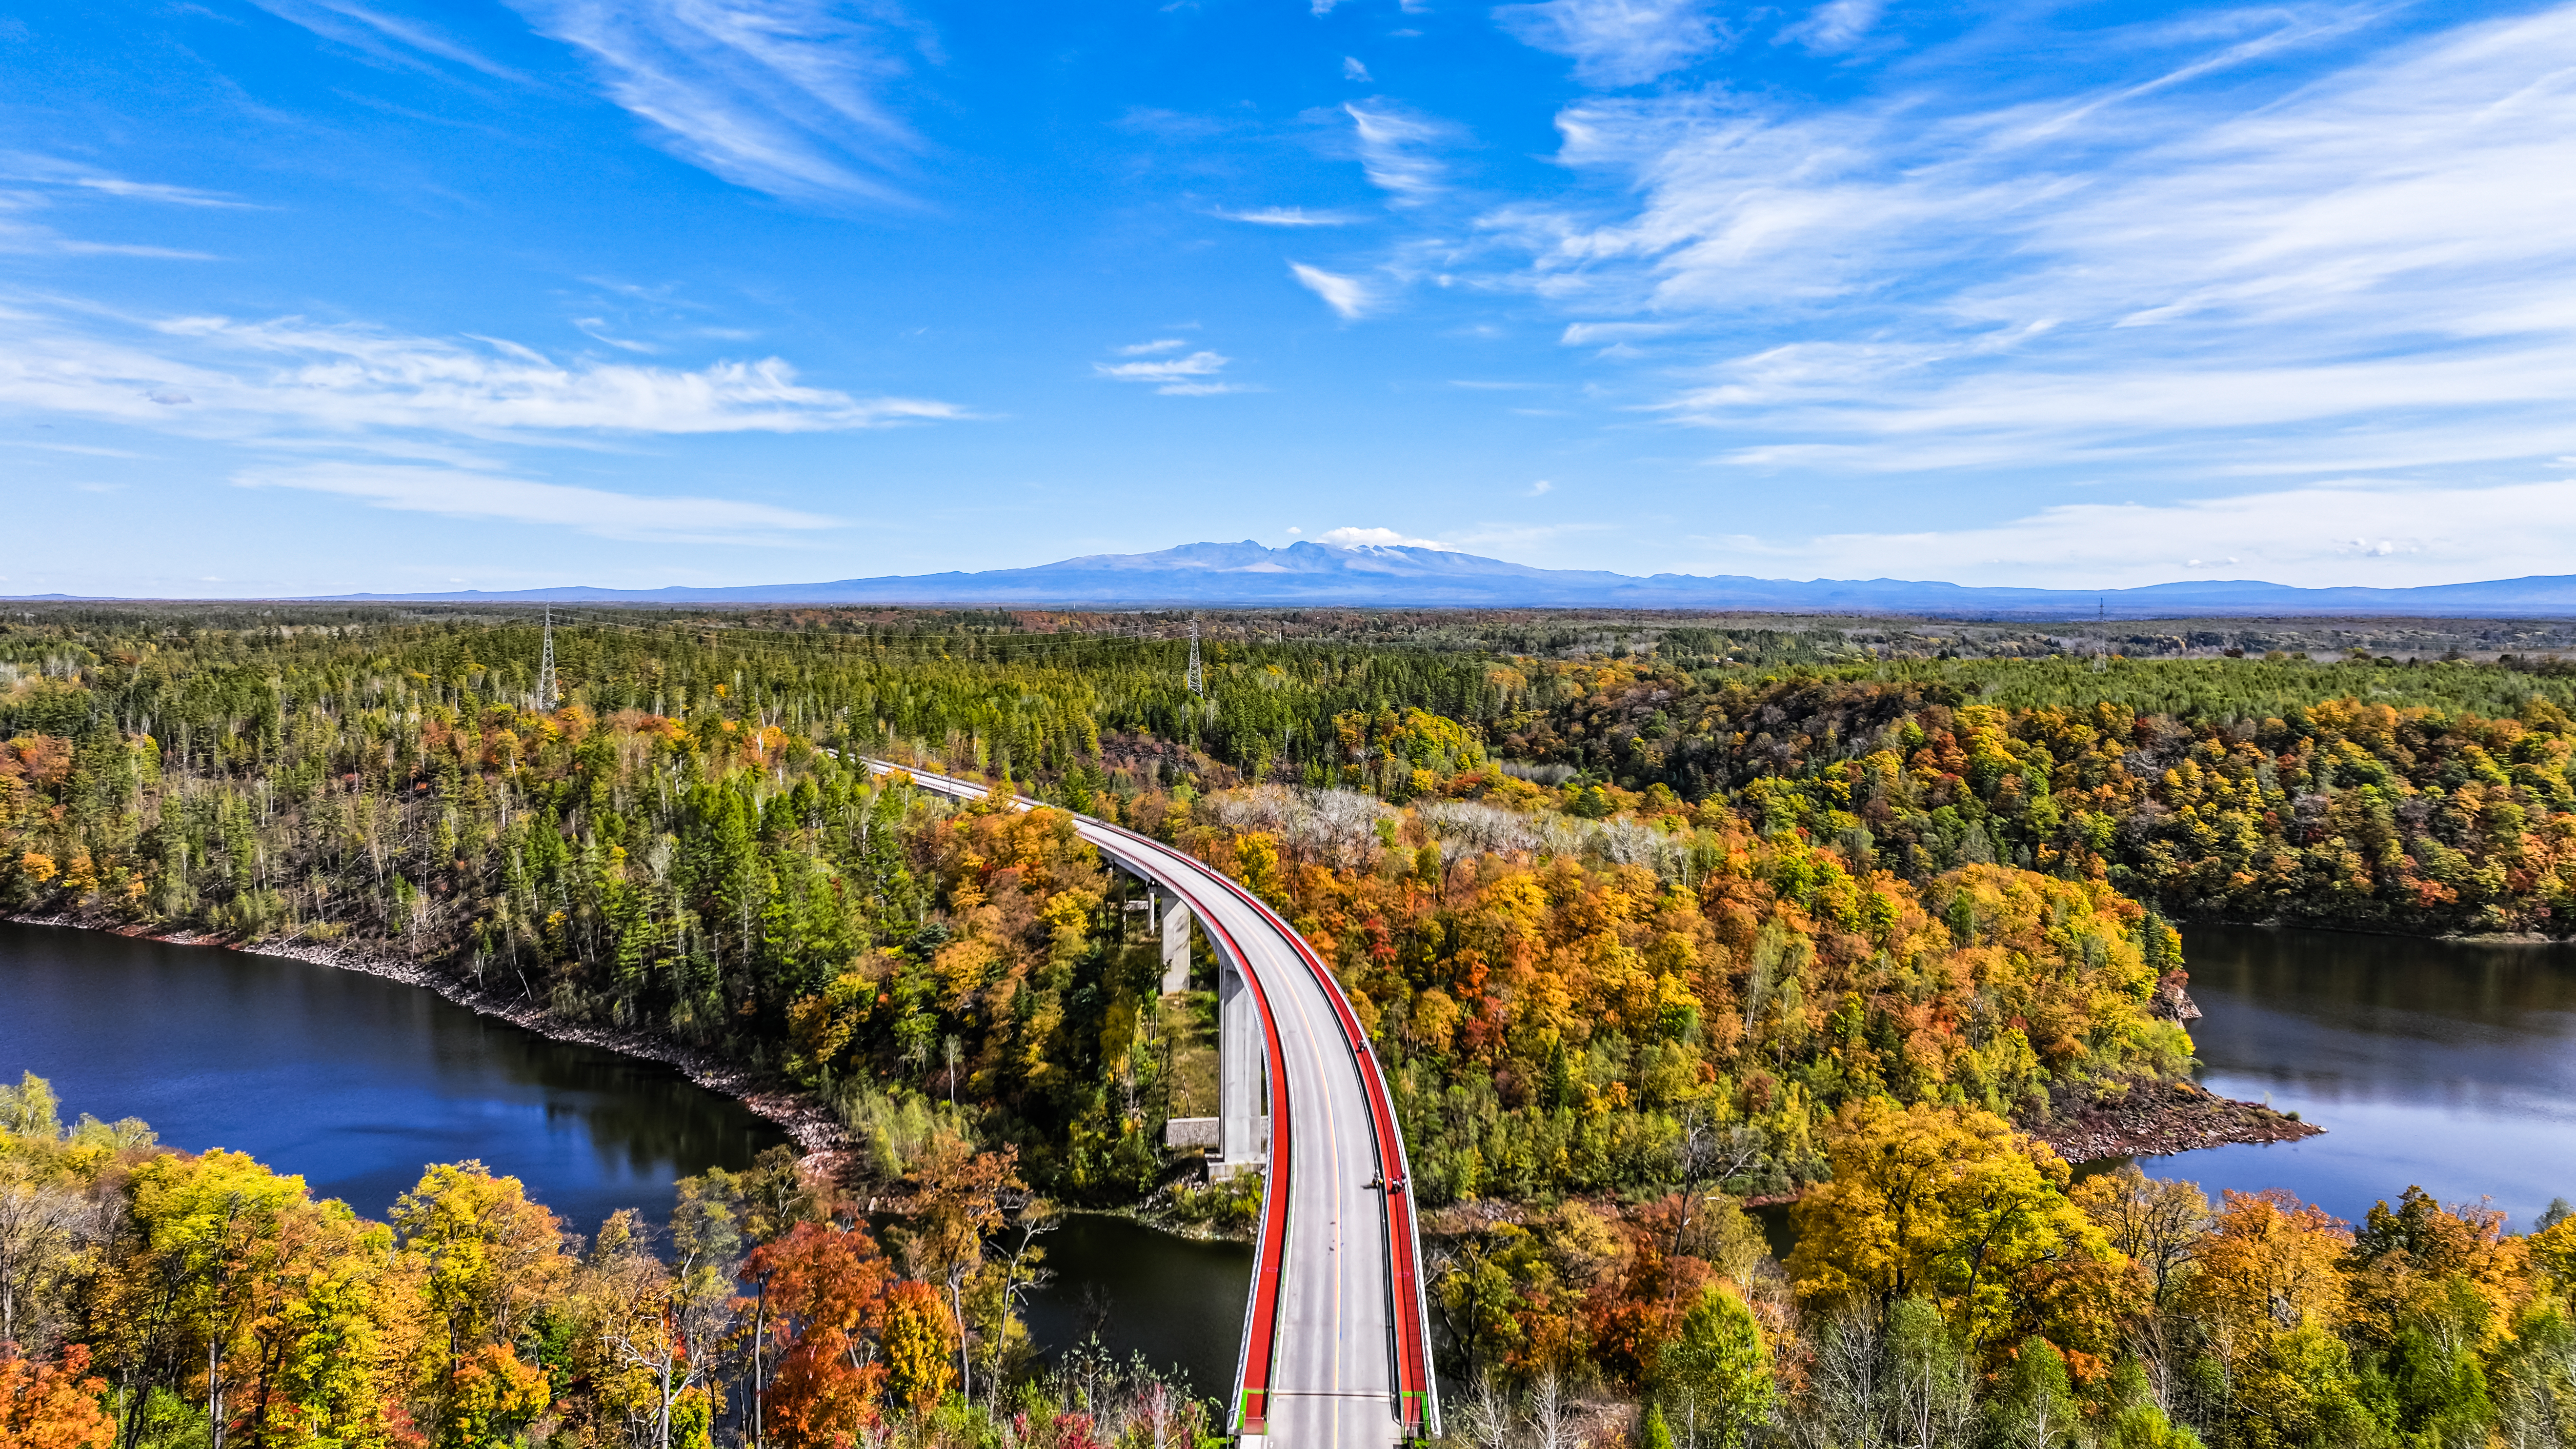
x,y
53,1406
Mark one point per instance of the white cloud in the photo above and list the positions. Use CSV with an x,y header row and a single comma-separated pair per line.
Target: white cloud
x,y
596,328
462,493
27,238
1148,349
386,37
2158,277
1615,42
1347,296
1587,334
2340,532
253,378
1375,538
782,96
1191,376
1289,216
1835,25
1352,70
1541,487
30,238
1394,146
156,191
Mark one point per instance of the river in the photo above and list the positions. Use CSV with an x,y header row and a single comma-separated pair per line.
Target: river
x,y
2446,1065
356,1082
2442,1064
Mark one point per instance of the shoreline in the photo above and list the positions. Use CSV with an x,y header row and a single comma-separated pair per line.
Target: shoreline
x,y
2149,1119
2340,928
817,1133
2160,1119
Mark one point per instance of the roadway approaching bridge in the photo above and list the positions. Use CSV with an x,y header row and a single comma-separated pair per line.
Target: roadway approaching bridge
x,y
1336,1338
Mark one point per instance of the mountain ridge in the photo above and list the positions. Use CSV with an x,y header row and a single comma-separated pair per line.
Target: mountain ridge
x,y
1249,574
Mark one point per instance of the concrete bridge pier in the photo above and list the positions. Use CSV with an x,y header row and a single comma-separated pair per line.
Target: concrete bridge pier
x,y
1243,1138
1176,948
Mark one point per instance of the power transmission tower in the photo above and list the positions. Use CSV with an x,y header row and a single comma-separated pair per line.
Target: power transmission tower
x,y
546,667
1196,685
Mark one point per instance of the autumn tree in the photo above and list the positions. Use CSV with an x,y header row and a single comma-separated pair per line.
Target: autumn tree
x,y
53,1406
922,1343
490,1258
826,1289
1715,1372
2268,1298
1949,1204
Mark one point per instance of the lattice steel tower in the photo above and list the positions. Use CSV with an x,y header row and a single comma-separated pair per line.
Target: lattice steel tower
x,y
1196,685
546,667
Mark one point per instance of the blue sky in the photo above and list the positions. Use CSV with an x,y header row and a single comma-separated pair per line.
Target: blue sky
x,y
329,295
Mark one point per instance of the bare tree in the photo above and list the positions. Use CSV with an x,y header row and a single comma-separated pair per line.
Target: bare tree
x,y
2157,1223
1488,1415
37,1223
1845,1384
1547,1409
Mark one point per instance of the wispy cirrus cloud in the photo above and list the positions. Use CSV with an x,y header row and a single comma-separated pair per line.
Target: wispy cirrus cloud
x,y
157,191
1192,376
47,182
789,97
2162,276
1349,297
1616,42
1397,149
1835,25
380,34
27,238
222,377
475,493
2315,534
1288,216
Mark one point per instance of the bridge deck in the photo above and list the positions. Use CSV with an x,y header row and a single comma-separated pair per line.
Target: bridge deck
x,y
1338,1293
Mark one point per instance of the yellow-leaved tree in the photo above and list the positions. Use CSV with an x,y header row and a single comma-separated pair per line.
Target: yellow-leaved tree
x,y
1951,1206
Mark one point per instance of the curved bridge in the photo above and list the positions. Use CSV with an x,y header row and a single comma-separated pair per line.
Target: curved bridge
x,y
1336,1338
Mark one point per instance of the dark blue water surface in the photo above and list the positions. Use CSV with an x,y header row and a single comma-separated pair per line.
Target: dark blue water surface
x,y
2441,1064
356,1084
2446,1065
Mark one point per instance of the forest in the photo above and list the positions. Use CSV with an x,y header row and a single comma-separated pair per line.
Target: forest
x,y
151,1297
164,1298
2442,805
1638,940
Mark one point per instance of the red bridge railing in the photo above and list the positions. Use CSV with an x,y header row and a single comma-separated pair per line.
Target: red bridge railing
x,y
1417,1403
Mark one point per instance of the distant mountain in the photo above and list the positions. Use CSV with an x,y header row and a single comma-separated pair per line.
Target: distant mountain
x,y
1247,573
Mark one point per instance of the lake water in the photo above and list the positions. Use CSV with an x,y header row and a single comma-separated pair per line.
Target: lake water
x,y
2439,1064
356,1083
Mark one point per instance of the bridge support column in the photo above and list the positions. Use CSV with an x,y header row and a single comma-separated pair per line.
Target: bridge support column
x,y
1241,1057
1176,948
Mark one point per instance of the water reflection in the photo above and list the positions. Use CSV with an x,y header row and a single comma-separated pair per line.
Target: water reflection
x,y
2444,1064
357,1083
1176,1301
353,1082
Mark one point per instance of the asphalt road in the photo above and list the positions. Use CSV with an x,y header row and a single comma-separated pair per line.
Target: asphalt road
x,y
1332,1373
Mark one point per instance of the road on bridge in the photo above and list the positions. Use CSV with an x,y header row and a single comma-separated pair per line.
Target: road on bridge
x,y
1336,1343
